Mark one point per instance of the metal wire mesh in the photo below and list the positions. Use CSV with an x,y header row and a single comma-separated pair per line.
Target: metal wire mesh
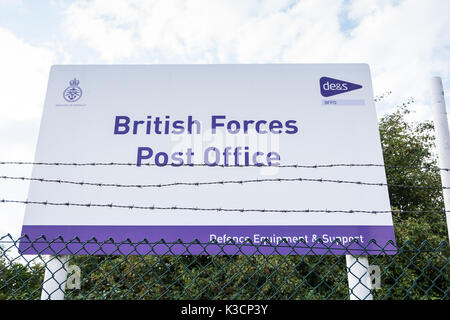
x,y
407,271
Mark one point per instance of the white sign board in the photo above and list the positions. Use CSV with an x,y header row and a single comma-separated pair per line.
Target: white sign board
x,y
224,127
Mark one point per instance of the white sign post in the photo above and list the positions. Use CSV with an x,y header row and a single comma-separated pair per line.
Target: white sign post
x,y
359,282
54,285
443,139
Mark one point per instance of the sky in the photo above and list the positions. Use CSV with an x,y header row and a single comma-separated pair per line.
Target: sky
x,y
404,42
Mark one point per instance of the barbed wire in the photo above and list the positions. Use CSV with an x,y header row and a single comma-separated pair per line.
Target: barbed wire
x,y
299,166
221,182
176,208
380,97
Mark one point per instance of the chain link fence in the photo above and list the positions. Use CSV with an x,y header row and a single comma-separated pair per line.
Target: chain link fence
x,y
153,271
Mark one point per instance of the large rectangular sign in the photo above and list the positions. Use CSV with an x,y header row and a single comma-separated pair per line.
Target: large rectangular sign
x,y
214,153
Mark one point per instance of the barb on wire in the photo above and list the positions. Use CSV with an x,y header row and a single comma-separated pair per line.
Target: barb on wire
x,y
220,182
295,166
382,96
184,208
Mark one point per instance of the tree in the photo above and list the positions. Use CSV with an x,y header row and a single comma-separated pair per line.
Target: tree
x,y
408,150
18,281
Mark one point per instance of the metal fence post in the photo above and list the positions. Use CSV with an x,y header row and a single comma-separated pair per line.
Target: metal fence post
x,y
443,139
359,283
54,285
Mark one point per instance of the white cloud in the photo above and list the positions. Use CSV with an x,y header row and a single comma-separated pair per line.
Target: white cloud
x,y
363,8
405,42
103,24
177,30
24,74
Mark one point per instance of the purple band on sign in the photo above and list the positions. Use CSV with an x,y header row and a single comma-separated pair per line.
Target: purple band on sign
x,y
194,240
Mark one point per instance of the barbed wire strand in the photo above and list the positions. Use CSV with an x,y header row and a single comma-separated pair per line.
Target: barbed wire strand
x,y
299,166
220,182
380,97
173,208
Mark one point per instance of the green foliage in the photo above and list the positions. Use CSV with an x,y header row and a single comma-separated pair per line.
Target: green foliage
x,y
411,145
18,281
418,271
